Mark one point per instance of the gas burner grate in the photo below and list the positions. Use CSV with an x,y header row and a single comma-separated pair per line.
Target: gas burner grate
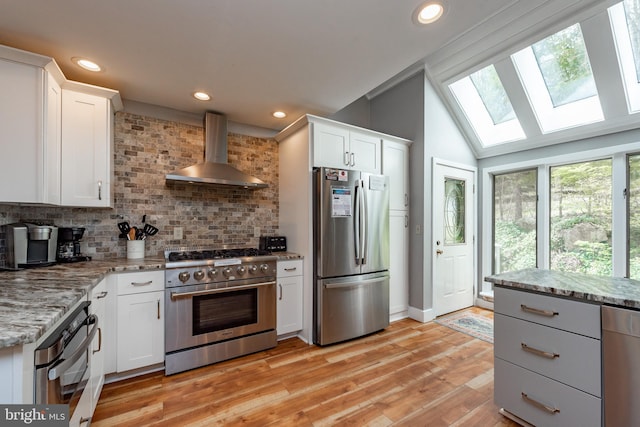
x,y
205,254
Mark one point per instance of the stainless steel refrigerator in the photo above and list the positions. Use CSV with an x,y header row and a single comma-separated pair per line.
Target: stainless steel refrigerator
x,y
351,260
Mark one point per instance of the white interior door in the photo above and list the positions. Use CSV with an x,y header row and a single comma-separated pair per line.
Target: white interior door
x,y
453,235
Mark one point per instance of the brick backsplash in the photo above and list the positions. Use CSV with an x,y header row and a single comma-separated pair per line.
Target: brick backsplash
x,y
146,149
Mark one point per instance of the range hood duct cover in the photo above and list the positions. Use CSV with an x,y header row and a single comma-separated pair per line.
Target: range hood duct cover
x,y
215,169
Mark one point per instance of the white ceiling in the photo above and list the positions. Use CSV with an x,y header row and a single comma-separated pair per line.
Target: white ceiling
x,y
252,56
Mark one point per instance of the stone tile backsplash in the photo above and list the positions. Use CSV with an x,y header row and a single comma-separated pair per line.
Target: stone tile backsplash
x,y
145,150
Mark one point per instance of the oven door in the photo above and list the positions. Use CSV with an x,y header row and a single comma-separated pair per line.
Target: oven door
x,y
204,314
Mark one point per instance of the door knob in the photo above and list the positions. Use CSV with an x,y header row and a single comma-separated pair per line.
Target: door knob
x,y
439,252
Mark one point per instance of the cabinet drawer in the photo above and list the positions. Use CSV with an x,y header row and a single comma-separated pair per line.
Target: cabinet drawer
x,y
573,316
569,358
143,281
290,268
523,393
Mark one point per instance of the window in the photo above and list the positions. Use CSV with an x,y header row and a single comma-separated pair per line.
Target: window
x,y
581,217
454,216
557,77
625,22
633,213
514,221
487,107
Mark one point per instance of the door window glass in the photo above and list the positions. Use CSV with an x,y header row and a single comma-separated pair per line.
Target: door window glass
x,y
580,221
515,198
454,215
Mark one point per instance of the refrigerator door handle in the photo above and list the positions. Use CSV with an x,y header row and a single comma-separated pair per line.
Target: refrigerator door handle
x,y
363,224
356,222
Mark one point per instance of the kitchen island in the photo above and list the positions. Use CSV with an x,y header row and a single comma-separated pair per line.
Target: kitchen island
x,y
549,344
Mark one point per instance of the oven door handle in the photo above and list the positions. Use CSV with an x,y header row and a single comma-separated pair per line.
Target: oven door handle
x,y
179,295
65,364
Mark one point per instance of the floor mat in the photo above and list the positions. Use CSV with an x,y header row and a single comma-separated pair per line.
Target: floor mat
x,y
469,323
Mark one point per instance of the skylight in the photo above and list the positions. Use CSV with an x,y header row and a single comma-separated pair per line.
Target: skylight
x,y
557,78
625,22
487,107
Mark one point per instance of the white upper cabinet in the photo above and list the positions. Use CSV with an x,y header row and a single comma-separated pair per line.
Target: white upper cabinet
x,y
57,135
87,139
341,148
396,166
28,138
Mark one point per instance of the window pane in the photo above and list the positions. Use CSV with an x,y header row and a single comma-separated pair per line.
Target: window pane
x,y
581,217
493,95
454,225
514,221
565,67
632,14
634,216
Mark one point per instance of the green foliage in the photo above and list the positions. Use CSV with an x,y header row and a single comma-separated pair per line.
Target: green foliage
x,y
587,258
517,246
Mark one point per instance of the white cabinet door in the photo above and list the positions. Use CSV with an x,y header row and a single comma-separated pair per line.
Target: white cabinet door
x,y
99,308
53,141
330,146
398,264
395,164
21,137
365,153
140,337
290,297
86,150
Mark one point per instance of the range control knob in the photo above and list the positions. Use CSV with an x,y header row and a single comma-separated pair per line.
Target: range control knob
x,y
212,273
184,276
198,275
241,270
227,272
264,268
253,269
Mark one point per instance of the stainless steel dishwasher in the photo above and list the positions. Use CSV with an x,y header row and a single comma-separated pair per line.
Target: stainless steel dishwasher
x,y
621,366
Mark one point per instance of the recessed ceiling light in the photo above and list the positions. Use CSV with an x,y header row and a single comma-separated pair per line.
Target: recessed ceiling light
x,y
202,96
279,114
87,64
429,12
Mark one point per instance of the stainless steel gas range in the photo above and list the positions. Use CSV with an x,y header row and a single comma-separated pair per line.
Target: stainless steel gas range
x,y
219,304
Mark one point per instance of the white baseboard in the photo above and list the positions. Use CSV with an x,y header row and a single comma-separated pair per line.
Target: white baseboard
x,y
422,316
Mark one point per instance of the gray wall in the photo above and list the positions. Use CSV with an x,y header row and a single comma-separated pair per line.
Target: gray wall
x,y
413,110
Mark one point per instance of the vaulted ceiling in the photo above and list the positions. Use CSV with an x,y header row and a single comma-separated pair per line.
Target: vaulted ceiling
x,y
258,56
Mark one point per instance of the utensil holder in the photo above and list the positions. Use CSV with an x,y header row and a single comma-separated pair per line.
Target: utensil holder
x,y
135,249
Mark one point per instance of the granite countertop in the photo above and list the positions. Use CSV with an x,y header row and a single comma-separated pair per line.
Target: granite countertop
x,y
599,289
33,300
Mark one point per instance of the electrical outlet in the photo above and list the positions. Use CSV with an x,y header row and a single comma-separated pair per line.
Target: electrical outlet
x,y
177,233
256,231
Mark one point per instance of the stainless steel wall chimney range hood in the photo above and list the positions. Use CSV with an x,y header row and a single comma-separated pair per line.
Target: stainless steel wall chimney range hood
x,y
215,169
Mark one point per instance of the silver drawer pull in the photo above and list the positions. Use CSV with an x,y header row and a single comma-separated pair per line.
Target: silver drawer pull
x,y
141,283
291,269
539,405
546,313
537,352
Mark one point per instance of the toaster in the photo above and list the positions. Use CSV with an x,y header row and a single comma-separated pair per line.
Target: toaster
x,y
273,243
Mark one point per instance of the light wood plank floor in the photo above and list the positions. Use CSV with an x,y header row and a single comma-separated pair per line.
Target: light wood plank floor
x,y
410,374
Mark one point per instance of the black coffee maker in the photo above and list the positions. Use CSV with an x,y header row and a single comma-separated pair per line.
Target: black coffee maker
x,y
69,245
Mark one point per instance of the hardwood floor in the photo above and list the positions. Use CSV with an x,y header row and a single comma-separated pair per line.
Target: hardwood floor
x,y
411,374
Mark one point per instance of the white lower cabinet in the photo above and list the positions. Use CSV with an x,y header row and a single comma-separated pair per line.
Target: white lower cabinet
x,y
289,297
398,264
547,359
140,320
